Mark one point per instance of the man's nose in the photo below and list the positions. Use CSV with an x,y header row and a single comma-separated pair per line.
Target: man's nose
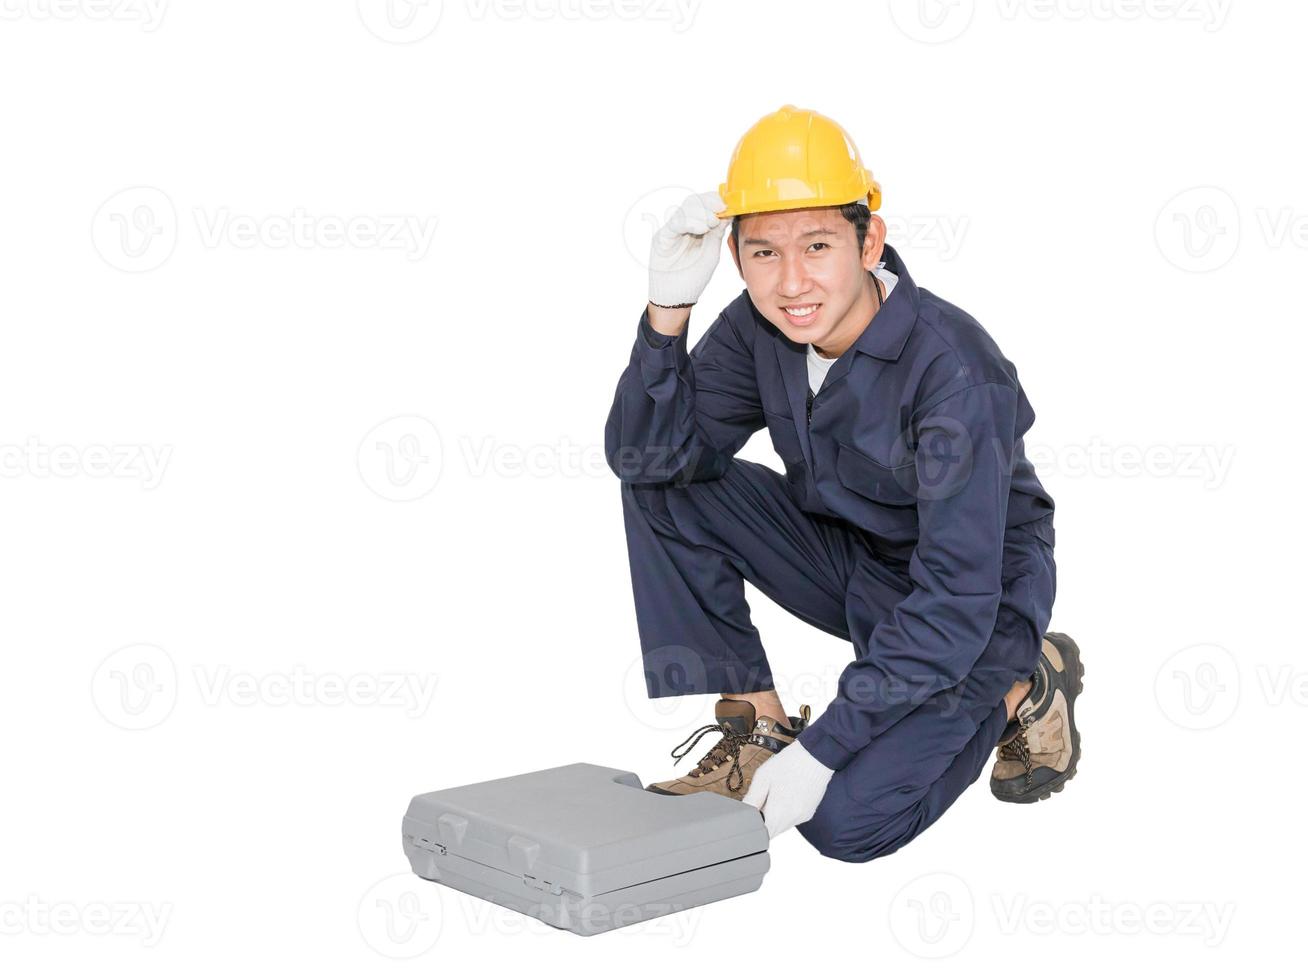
x,y
794,276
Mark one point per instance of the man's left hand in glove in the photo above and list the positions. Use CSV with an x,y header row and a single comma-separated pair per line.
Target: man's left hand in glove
x,y
788,788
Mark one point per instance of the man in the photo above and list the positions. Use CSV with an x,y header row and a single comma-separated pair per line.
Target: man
x,y
908,521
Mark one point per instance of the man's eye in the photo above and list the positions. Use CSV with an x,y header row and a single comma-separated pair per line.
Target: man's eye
x,y
816,244
762,251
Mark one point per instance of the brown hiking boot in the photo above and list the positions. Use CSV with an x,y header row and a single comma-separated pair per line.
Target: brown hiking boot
x,y
1039,749
745,745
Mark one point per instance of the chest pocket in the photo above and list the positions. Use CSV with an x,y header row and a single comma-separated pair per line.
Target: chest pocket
x,y
892,486
883,499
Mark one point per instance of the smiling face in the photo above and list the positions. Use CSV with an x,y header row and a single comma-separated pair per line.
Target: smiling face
x,y
805,273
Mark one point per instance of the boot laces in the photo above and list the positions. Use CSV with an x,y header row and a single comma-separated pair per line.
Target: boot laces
x,y
1017,748
728,747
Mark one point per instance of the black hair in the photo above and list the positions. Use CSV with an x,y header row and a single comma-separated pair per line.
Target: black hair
x,y
856,213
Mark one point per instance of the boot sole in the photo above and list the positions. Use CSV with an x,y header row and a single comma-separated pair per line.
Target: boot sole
x,y
668,792
1070,652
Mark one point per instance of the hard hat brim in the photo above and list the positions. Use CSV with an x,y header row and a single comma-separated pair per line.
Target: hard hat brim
x,y
873,202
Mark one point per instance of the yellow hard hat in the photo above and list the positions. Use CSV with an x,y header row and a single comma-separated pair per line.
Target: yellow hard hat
x,y
795,158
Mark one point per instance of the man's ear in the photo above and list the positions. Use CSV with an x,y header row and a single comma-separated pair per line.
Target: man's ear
x,y
874,242
731,244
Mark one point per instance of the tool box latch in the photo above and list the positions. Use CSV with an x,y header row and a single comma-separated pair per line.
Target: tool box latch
x,y
542,885
429,845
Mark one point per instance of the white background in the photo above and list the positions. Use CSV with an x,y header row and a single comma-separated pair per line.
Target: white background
x,y
247,615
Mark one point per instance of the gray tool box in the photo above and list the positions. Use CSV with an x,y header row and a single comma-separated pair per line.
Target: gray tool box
x,y
586,848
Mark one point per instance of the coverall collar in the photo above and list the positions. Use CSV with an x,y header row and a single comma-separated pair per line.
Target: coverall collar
x,y
887,332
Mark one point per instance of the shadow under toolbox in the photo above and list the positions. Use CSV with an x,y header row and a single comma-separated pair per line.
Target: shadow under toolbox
x,y
586,848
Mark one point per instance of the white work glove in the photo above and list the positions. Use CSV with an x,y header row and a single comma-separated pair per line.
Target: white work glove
x,y
788,788
685,251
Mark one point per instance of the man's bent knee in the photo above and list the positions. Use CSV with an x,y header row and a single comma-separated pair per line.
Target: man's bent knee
x,y
847,830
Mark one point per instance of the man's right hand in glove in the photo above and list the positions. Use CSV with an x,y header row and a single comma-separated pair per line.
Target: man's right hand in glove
x,y
682,257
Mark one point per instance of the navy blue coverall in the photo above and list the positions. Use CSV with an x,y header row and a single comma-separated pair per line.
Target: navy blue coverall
x,y
908,521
